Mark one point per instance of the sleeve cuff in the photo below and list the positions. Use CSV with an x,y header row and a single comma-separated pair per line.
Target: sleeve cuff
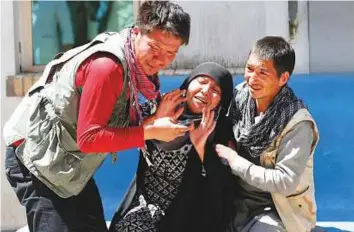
x,y
240,166
140,136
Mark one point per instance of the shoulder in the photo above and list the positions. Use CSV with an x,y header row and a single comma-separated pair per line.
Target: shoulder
x,y
302,120
100,69
303,127
103,65
300,134
104,61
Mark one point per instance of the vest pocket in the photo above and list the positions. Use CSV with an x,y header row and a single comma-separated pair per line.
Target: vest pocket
x,y
51,148
303,205
298,193
53,160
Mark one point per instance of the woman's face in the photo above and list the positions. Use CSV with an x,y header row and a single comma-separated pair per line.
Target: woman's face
x,y
203,92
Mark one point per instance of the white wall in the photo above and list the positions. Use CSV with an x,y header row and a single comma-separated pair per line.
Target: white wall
x,y
12,214
225,31
331,36
301,39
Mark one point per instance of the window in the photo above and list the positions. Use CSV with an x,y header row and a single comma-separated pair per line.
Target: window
x,y
45,28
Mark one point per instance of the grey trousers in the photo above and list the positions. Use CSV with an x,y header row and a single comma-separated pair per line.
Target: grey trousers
x,y
265,222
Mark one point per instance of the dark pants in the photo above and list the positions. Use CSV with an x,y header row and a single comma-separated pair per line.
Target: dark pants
x,y
48,212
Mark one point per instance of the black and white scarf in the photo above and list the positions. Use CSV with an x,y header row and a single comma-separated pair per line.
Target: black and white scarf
x,y
255,137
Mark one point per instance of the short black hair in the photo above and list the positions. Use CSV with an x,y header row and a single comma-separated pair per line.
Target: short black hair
x,y
276,48
166,16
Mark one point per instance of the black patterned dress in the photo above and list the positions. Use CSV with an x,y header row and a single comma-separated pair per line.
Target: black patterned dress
x,y
159,176
174,191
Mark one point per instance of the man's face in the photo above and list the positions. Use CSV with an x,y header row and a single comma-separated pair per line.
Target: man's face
x,y
155,50
262,78
203,92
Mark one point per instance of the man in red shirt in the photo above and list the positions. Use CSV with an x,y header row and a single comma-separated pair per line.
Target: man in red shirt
x,y
98,85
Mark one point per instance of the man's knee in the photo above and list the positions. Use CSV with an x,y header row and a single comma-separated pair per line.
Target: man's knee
x,y
268,223
43,217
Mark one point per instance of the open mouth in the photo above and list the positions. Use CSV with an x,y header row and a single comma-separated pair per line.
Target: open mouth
x,y
255,87
202,100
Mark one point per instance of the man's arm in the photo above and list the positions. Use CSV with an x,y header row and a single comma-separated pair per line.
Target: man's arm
x,y
293,153
102,84
101,77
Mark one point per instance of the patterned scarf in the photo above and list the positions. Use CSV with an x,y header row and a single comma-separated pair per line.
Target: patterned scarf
x,y
148,86
256,137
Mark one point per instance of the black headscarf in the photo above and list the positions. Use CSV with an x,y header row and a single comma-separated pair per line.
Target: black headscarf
x,y
220,75
224,79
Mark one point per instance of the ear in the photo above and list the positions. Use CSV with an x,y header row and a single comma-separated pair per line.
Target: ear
x,y
284,79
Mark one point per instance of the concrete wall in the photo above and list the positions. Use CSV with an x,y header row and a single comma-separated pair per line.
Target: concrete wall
x,y
12,214
300,41
225,31
331,36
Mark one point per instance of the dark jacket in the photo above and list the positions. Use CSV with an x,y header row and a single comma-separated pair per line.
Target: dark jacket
x,y
204,203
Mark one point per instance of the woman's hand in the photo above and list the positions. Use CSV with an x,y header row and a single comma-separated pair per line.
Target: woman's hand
x,y
169,103
200,135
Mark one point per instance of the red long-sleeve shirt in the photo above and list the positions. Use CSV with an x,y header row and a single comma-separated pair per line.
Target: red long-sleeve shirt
x,y
100,77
